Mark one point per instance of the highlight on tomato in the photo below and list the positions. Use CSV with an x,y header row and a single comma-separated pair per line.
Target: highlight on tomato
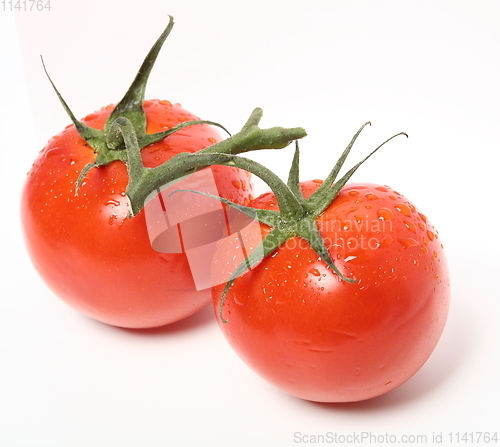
x,y
82,203
347,294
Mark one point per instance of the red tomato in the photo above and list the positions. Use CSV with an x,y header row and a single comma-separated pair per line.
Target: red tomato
x,y
320,338
88,251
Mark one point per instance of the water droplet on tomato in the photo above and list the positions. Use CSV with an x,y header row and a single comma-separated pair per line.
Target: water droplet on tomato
x,y
423,217
385,214
315,272
112,202
381,188
236,183
353,193
430,235
402,208
408,242
371,196
411,226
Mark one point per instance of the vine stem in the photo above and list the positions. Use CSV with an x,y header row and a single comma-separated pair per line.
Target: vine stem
x,y
144,181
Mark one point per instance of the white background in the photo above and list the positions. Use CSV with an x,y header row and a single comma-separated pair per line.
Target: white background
x,y
426,67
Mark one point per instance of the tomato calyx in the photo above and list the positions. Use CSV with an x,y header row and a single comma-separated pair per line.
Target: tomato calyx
x,y
108,144
124,136
297,215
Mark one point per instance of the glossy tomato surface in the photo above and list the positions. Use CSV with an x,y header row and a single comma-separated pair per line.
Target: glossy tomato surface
x,y
317,337
88,251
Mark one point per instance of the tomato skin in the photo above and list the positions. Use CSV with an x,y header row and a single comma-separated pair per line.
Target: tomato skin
x,y
87,250
319,338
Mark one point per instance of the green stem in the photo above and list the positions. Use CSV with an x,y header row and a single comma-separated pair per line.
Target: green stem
x,y
123,128
323,197
251,137
274,239
131,104
145,181
329,181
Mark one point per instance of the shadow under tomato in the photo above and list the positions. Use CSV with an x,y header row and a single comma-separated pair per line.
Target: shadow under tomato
x,y
199,319
451,352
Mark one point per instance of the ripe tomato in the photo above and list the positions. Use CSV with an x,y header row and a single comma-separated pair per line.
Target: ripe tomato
x,y
82,206
88,251
318,337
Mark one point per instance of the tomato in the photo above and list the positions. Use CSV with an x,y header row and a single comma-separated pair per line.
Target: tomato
x,y
87,249
350,335
82,205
